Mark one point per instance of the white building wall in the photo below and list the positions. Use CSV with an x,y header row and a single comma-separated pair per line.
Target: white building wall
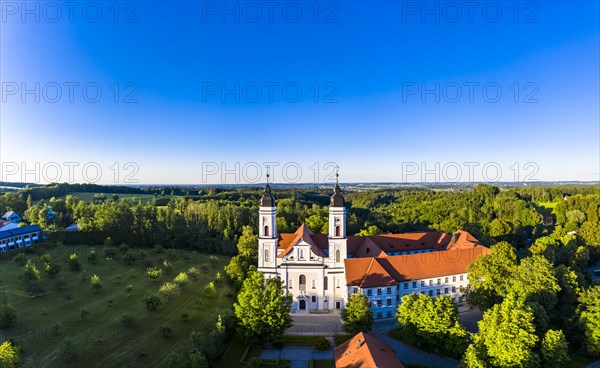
x,y
386,299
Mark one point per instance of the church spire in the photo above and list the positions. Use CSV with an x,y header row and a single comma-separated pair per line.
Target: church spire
x,y
267,199
337,200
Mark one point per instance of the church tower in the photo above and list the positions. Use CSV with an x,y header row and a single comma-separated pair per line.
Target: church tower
x,y
337,213
337,227
267,230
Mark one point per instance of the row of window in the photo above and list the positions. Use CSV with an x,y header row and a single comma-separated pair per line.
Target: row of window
x,y
302,283
300,255
410,252
446,291
415,284
388,303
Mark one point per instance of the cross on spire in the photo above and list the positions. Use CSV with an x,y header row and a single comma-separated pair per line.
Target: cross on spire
x,y
268,168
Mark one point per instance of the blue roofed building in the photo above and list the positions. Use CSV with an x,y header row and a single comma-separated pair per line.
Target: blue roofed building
x,y
19,238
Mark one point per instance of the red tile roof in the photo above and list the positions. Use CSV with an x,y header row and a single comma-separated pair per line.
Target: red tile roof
x,y
303,233
373,272
365,351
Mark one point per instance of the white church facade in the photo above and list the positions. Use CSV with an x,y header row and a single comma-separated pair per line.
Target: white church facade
x,y
321,271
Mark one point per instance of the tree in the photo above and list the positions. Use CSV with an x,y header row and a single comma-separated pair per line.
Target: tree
x,y
357,316
263,308
152,301
30,272
74,263
432,322
534,281
555,351
490,275
506,337
589,318
8,316
52,269
96,283
9,355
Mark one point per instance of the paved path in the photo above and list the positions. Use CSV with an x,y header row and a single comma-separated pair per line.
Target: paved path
x,y
312,324
594,365
298,356
407,353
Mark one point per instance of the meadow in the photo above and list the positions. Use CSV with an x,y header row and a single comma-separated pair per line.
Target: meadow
x,y
110,327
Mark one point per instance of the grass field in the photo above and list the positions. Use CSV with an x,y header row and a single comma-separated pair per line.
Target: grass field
x,y
45,321
549,205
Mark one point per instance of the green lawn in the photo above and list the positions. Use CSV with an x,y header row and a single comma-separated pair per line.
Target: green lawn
x,y
550,205
290,340
45,321
236,349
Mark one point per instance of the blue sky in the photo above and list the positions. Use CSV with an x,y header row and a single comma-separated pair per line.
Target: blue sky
x,y
388,91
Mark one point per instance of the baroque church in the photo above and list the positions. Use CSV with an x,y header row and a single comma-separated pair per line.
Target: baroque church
x,y
321,271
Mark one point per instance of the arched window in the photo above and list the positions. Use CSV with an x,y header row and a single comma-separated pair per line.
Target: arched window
x,y
290,283
338,230
266,255
314,299
266,230
337,255
302,282
325,283
313,284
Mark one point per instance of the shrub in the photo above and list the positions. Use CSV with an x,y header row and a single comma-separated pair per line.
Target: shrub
x,y
130,257
152,301
52,269
69,350
321,343
167,267
8,316
109,242
123,248
55,329
169,290
154,272
34,287
174,360
30,272
141,255
129,288
218,278
185,316
96,283
182,280
171,254
20,259
194,273
166,332
74,263
60,284
9,355
158,249
46,258
110,252
93,256
84,313
210,289
128,320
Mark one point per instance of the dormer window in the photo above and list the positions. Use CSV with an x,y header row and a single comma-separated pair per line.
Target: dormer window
x,y
266,230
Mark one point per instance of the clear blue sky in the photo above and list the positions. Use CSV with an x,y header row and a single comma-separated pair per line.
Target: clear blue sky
x,y
372,63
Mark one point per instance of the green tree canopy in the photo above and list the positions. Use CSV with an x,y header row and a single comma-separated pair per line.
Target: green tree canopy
x,y
262,308
357,316
490,275
506,337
